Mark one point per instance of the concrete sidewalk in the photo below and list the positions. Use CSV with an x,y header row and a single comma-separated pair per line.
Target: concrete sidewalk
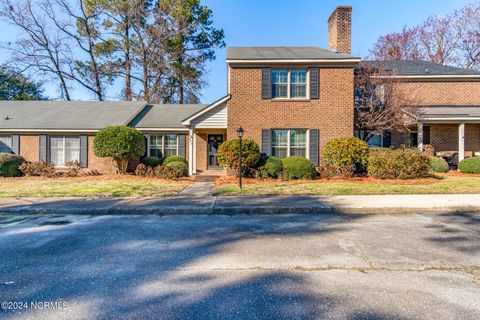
x,y
245,205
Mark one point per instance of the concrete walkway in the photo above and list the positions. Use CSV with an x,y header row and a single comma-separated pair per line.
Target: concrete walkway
x,y
197,200
198,189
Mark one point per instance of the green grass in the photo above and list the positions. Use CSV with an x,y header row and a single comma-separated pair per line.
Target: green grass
x,y
445,184
101,186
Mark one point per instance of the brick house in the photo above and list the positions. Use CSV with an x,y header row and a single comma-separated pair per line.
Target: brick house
x,y
290,100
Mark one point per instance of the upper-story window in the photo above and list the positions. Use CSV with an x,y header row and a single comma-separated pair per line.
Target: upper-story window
x,y
289,83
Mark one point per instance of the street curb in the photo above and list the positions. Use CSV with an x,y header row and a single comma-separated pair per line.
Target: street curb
x,y
225,210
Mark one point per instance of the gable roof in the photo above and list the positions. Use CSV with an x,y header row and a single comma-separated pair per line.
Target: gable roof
x,y
67,115
285,53
165,116
420,68
213,105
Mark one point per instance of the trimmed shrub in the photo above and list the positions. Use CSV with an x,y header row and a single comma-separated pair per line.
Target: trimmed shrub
x,y
297,167
470,165
10,164
141,169
73,168
329,171
121,143
37,169
151,161
166,172
180,167
228,155
170,159
269,167
437,164
346,151
397,164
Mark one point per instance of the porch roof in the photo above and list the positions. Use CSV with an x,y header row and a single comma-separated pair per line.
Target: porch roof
x,y
448,113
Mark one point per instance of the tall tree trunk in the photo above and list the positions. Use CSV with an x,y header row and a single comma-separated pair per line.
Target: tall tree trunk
x,y
128,63
180,90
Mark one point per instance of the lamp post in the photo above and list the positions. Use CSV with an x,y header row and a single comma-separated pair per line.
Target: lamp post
x,y
240,135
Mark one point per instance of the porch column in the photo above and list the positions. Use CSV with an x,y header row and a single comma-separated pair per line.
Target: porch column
x,y
461,142
194,156
420,137
190,152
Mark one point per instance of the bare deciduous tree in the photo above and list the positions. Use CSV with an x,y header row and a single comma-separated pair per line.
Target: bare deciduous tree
x,y
380,101
43,50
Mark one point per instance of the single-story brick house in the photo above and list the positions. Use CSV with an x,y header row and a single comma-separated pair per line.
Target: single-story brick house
x,y
290,100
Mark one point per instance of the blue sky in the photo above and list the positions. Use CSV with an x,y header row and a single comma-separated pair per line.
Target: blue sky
x,y
300,23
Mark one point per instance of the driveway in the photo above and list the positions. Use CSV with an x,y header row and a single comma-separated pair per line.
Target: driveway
x,y
241,267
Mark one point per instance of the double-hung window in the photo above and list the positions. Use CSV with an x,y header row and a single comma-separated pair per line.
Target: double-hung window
x,y
280,83
298,84
286,143
163,145
289,84
64,149
5,144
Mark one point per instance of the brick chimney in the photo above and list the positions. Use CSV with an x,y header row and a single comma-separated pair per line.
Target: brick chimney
x,y
340,29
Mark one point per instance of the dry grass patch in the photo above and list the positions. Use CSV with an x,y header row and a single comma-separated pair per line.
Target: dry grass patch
x,y
95,186
450,183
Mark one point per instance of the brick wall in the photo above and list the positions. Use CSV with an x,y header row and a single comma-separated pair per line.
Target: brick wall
x,y
332,114
443,93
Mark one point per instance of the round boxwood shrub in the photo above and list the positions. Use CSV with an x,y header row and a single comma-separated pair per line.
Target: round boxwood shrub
x,y
9,165
121,143
228,154
269,167
170,159
437,164
180,167
152,161
297,167
470,165
346,151
397,164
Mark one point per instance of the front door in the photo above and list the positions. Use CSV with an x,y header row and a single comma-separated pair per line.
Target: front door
x,y
214,141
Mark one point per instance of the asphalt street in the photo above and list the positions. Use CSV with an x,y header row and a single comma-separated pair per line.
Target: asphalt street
x,y
240,267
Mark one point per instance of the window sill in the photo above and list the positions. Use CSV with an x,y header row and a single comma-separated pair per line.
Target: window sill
x,y
291,100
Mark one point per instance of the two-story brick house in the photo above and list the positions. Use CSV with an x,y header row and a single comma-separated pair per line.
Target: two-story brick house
x,y
290,100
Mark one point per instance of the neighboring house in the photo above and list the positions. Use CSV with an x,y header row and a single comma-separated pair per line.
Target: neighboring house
x,y
290,100
446,114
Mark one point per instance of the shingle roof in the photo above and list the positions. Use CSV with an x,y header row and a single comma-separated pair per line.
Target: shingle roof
x,y
284,53
165,115
420,68
69,115
445,112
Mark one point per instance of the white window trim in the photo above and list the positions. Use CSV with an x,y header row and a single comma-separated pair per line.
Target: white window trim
x,y
307,85
64,150
163,143
307,141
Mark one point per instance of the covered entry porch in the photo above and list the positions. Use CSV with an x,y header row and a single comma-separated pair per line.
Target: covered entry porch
x,y
207,130
452,131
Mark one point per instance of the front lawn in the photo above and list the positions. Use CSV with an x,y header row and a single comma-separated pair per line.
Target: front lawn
x,y
95,186
450,183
